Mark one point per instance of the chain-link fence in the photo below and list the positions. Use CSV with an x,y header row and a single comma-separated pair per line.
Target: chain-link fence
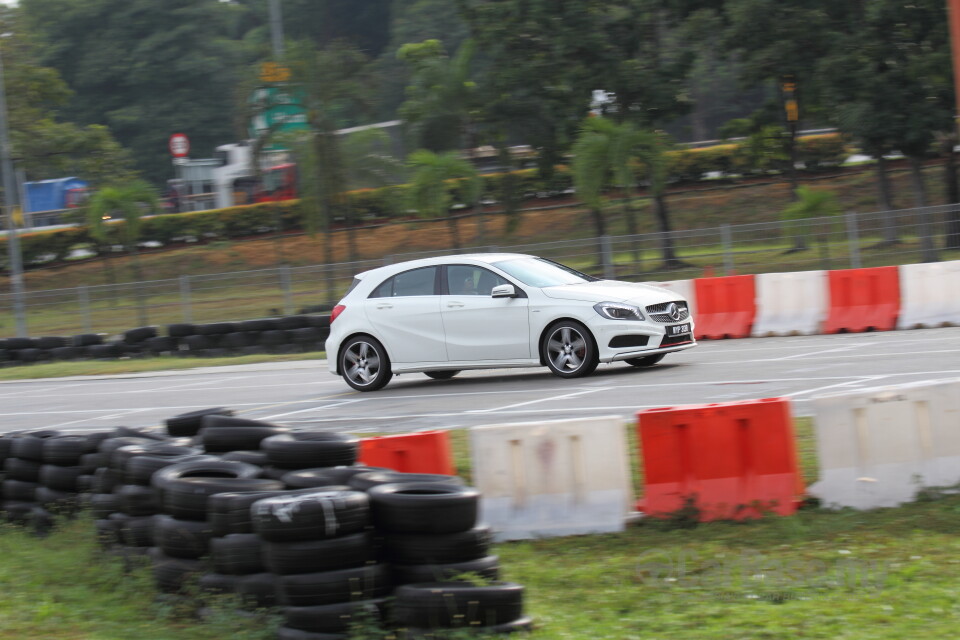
x,y
848,241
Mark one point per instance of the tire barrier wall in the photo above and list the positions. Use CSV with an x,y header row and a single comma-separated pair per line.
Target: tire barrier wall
x,y
930,295
422,452
863,300
563,477
879,447
790,303
726,307
725,461
287,334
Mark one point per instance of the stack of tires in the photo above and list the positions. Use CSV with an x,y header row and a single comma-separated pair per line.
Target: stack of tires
x,y
287,334
318,544
221,434
66,471
298,450
22,466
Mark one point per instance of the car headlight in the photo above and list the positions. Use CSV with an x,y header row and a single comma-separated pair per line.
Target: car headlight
x,y
618,311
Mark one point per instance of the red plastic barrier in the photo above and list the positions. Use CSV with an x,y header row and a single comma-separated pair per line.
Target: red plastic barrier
x,y
733,461
422,452
863,300
726,306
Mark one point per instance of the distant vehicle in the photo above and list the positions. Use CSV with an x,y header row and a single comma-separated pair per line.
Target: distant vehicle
x,y
45,199
439,316
277,183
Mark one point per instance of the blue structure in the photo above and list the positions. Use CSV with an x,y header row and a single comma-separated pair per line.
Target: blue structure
x,y
53,195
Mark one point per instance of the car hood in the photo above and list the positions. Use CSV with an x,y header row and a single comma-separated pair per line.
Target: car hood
x,y
612,291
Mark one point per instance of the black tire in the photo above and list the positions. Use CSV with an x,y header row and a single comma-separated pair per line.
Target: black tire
x,y
105,480
137,500
217,583
258,458
335,618
646,361
458,604
239,339
174,575
17,344
160,344
104,504
438,548
66,353
305,335
324,476
215,328
229,512
314,515
138,335
29,446
366,481
204,467
64,450
56,501
273,338
188,424
487,567
258,324
258,590
364,364
441,375
424,507
237,438
86,339
180,330
329,587
197,343
60,478
140,469
313,556
20,490
20,469
311,449
134,531
186,498
569,350
293,322
237,554
181,538
107,532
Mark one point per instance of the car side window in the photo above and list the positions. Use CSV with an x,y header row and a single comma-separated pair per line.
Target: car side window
x,y
416,282
467,280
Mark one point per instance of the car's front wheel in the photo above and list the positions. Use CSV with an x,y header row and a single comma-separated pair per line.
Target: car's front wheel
x,y
646,361
569,350
441,375
364,364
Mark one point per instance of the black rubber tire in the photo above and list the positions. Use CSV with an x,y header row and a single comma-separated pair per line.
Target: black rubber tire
x,y
20,469
93,461
29,446
226,433
215,328
107,532
305,335
134,531
313,515
258,324
67,353
273,338
140,469
17,344
313,556
487,567
329,587
137,500
107,447
188,424
217,583
569,340
335,618
258,590
197,343
60,478
237,554
366,481
441,375
433,605
56,501
138,335
104,504
64,450
186,498
293,322
311,449
646,361
204,467
324,476
86,339
105,480
174,575
160,344
438,548
424,507
258,458
20,490
230,512
180,330
239,339
181,538
364,364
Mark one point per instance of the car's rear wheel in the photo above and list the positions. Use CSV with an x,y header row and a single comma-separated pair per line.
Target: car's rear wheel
x,y
441,375
646,361
364,364
569,350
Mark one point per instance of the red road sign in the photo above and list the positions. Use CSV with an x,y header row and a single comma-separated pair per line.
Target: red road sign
x,y
179,145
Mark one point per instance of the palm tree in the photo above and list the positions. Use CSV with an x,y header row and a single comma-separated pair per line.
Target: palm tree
x,y
429,189
129,200
809,203
653,148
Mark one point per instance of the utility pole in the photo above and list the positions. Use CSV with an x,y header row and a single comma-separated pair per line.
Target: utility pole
x,y
10,202
276,29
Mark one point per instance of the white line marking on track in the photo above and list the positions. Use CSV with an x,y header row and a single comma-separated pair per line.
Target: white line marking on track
x,y
529,402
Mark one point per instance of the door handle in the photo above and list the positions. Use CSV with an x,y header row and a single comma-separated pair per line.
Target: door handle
x,y
454,305
384,305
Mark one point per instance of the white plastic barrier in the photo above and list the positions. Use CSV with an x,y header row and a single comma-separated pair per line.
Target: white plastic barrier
x,y
791,303
557,478
929,295
879,446
683,287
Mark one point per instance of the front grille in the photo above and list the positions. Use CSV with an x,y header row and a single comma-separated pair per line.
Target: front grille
x,y
671,341
657,312
619,342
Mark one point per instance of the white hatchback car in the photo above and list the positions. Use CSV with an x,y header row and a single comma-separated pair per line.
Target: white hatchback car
x,y
439,316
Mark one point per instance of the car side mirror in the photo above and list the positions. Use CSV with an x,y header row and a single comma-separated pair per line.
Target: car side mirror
x,y
503,291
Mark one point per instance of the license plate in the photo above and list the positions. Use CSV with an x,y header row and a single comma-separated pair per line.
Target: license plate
x,y
678,329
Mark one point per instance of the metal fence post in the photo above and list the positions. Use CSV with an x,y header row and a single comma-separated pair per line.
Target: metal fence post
x,y
285,284
853,240
726,241
185,305
84,295
607,248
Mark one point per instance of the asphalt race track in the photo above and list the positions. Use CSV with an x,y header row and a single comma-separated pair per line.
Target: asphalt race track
x,y
304,394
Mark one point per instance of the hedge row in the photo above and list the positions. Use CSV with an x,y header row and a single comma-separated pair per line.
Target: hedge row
x,y
43,247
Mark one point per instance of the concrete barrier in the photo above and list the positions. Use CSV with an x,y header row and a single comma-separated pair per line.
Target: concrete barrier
x,y
879,446
557,478
790,303
929,295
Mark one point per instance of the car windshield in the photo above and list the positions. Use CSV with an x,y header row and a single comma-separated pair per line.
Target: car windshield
x,y
538,272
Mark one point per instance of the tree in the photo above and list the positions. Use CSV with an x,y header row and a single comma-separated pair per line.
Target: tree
x,y
653,154
810,203
130,200
430,188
